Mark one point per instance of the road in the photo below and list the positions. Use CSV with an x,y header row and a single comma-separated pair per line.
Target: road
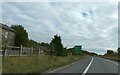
x,y
90,66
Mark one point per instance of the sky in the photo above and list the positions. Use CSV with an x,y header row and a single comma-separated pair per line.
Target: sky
x,y
94,25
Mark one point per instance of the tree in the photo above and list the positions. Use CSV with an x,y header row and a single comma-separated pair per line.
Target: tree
x,y
118,51
57,46
110,52
33,43
21,37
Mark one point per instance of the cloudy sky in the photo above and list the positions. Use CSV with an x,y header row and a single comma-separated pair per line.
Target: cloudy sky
x,y
94,25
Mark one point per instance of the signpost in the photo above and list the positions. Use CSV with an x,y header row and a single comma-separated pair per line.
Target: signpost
x,y
78,49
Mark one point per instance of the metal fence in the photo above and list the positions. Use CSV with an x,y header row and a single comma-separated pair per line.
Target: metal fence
x,y
19,51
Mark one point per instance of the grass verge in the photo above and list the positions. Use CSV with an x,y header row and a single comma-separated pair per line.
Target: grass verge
x,y
111,57
36,64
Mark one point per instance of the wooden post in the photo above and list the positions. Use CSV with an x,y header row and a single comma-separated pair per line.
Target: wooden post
x,y
4,51
31,51
39,51
20,53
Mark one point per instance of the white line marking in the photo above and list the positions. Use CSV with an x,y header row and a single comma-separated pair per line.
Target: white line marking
x,y
85,71
112,62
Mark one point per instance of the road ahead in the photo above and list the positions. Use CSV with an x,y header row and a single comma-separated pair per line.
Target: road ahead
x,y
91,65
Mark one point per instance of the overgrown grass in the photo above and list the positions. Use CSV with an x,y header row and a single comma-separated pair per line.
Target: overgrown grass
x,y
112,57
36,64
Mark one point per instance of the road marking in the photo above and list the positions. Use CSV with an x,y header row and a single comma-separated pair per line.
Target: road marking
x,y
112,62
85,71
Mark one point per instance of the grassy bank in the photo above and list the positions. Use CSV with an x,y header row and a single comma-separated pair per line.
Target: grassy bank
x,y
112,57
36,64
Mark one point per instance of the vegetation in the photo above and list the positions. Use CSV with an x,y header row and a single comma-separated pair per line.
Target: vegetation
x,y
118,50
57,47
109,52
21,37
89,53
112,55
32,43
55,55
36,64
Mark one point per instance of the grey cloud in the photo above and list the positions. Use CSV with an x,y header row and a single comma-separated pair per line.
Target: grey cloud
x,y
95,32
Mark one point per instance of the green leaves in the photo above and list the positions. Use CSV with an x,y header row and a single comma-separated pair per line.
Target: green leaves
x,y
110,52
118,51
57,45
21,37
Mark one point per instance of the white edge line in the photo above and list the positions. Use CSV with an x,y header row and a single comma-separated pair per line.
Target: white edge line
x,y
112,61
85,71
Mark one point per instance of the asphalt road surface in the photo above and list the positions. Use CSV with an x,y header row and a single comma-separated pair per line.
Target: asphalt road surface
x,y
91,65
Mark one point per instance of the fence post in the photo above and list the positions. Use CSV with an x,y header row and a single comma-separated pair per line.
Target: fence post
x,y
31,51
20,53
39,50
4,51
